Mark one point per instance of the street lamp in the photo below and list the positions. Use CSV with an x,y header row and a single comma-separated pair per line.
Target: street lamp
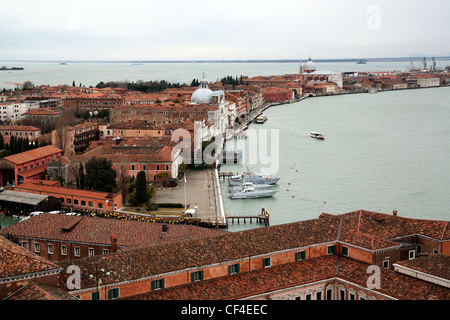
x,y
99,279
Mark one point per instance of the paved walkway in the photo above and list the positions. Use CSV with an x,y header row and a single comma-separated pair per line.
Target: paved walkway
x,y
199,193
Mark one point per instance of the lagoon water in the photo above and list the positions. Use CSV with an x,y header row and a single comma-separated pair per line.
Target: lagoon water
x,y
382,152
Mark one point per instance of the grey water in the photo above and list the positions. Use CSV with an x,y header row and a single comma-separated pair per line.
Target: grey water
x,y
382,152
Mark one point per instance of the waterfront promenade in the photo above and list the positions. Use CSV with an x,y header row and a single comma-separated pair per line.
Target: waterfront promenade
x,y
201,192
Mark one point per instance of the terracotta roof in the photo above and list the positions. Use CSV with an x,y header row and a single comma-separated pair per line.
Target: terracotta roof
x,y
229,246
16,261
51,189
435,264
98,230
32,155
290,275
37,291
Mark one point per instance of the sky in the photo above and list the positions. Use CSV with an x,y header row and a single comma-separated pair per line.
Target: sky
x,y
222,29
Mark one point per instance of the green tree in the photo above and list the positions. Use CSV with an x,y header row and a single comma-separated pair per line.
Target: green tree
x,y
142,195
100,175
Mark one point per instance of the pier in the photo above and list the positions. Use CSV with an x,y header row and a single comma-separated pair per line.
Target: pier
x,y
260,218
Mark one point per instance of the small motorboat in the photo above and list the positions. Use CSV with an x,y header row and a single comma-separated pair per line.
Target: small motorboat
x,y
317,135
253,177
250,185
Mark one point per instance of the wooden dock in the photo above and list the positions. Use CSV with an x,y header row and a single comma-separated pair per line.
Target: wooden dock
x,y
260,218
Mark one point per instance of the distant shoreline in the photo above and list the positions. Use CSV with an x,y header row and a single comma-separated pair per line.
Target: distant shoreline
x,y
235,61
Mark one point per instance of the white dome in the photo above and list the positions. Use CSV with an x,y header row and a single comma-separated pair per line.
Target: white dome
x,y
203,94
310,66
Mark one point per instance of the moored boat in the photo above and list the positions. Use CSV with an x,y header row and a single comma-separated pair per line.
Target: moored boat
x,y
253,177
250,185
252,193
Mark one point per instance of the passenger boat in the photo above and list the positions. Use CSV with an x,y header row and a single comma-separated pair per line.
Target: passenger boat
x,y
317,135
251,185
253,177
261,118
252,193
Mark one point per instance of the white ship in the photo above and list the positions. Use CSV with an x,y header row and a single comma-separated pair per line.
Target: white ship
x,y
252,193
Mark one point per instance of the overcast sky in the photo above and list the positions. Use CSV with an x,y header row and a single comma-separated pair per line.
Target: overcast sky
x,y
222,29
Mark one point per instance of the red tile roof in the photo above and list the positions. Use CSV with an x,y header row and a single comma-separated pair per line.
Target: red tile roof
x,y
16,261
98,230
52,189
32,155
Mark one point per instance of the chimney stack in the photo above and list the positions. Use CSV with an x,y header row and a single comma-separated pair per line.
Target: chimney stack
x,y
113,243
394,213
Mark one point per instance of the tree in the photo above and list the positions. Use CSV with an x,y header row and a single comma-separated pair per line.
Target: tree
x,y
142,195
100,175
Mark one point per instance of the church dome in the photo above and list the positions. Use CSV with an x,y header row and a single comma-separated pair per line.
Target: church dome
x,y
203,94
310,66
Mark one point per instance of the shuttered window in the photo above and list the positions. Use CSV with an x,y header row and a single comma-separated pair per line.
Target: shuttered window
x,y
331,249
301,255
266,262
113,293
234,268
158,284
197,276
345,251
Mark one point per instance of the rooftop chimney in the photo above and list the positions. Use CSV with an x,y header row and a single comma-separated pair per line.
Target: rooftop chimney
x,y
394,213
113,243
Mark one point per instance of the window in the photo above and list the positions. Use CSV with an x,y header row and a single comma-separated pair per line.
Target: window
x,y
411,254
266,262
77,251
167,167
75,201
68,200
341,294
95,296
308,296
436,251
300,255
331,249
157,167
197,276
63,250
158,284
386,264
113,293
105,251
90,204
419,248
50,248
234,268
132,167
345,251
100,205
37,247
91,252
319,295
83,203
351,296
329,294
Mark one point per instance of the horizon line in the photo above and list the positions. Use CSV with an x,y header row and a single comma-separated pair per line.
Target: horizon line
x,y
234,60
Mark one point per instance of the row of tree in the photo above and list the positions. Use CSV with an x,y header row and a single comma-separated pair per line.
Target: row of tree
x,y
17,145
